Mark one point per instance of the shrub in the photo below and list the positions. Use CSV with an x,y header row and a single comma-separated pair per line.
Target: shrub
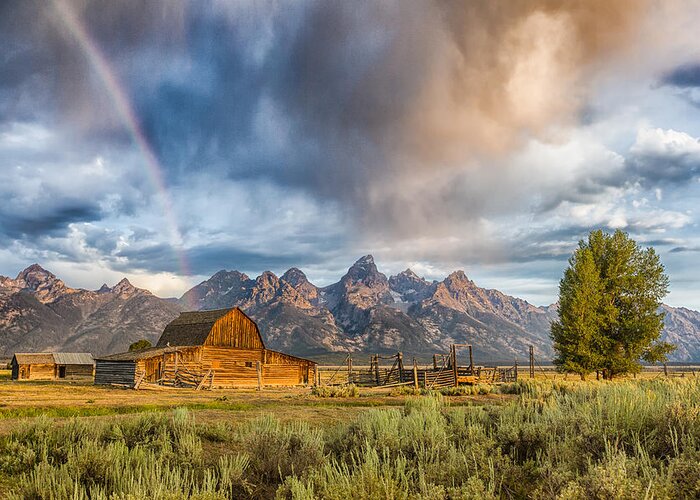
x,y
467,390
582,440
278,450
335,391
405,390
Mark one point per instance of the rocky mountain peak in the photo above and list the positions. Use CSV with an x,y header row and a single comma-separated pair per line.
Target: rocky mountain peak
x,y
124,288
34,276
104,288
362,287
298,280
410,287
269,288
458,277
407,276
45,285
408,273
365,271
266,286
295,277
226,276
459,282
268,278
224,288
367,259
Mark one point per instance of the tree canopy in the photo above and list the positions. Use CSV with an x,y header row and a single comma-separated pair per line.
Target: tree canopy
x,y
609,300
140,344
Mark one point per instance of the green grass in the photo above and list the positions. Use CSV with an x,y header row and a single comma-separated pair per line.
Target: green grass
x,y
88,411
563,440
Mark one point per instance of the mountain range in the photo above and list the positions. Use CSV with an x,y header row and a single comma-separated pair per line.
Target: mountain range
x,y
365,312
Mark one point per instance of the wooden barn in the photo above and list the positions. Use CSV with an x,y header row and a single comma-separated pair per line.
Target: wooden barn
x,y
221,348
52,366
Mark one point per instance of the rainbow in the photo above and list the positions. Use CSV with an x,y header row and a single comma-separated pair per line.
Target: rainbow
x,y
98,61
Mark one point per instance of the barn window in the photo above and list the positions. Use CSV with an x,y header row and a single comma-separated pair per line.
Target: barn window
x,y
249,364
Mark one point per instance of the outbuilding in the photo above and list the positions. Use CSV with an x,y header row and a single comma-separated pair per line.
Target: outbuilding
x,y
219,348
52,365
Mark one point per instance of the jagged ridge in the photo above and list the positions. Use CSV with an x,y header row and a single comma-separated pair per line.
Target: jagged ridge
x,y
364,312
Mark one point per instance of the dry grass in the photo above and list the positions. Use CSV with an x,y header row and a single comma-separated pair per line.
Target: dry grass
x,y
64,400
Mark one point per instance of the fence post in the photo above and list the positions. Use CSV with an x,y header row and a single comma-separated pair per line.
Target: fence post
x,y
516,369
400,355
532,362
376,368
665,370
258,368
349,369
415,374
453,360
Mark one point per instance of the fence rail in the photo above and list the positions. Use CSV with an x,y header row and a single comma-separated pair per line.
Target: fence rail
x,y
433,376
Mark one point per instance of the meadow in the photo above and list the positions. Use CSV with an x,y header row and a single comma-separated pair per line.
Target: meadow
x,y
529,439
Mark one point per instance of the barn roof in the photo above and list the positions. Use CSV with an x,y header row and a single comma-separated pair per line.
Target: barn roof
x,y
30,358
135,355
73,358
59,358
192,328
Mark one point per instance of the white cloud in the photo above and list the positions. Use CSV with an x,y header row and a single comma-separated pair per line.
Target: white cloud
x,y
665,143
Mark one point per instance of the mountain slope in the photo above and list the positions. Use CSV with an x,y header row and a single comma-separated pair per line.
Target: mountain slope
x,y
39,312
364,312
682,329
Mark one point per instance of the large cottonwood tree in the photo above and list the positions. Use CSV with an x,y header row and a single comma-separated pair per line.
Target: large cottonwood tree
x,y
609,300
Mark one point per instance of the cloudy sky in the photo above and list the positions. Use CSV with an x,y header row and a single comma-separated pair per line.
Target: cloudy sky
x,y
167,140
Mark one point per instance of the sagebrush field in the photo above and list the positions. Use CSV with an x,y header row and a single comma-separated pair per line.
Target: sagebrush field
x,y
530,439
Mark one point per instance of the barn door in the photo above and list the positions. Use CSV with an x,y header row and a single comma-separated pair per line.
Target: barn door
x,y
61,372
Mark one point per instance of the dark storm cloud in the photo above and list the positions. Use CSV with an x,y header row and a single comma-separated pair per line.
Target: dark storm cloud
x,y
50,222
400,116
685,250
659,169
662,158
336,98
684,76
206,259
557,244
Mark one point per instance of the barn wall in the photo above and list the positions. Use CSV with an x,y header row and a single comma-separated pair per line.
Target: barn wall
x,y
283,374
232,367
279,358
235,329
15,370
42,372
79,371
186,359
237,367
115,372
307,369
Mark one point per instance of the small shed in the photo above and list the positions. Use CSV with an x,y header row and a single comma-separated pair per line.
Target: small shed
x,y
52,365
219,348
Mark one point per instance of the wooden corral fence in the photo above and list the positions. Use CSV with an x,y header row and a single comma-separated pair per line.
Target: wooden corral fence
x,y
390,371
